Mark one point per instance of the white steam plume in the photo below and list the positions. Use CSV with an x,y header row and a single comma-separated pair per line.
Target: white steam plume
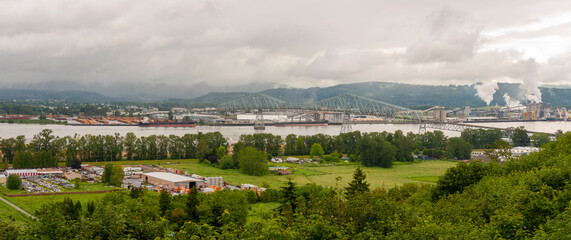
x,y
509,102
486,91
529,78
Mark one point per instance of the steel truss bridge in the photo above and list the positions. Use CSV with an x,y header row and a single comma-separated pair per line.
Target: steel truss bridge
x,y
346,103
459,127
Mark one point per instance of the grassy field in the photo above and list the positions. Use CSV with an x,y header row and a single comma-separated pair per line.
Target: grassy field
x,y
7,191
400,173
7,211
33,203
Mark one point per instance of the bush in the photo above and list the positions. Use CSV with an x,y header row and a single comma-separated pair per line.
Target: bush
x,y
14,182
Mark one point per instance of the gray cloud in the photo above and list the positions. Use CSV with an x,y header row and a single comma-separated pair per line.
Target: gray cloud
x,y
170,45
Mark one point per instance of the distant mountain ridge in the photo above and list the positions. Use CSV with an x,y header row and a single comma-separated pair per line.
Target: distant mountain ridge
x,y
407,95
413,96
43,95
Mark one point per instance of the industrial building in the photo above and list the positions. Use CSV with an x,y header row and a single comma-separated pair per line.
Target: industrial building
x,y
170,180
22,172
331,117
440,115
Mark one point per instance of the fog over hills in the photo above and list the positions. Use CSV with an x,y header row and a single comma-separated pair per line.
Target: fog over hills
x,y
415,96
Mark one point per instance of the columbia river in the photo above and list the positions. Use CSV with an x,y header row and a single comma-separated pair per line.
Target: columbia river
x,y
232,133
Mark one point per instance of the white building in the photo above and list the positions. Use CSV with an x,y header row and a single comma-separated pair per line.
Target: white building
x,y
22,172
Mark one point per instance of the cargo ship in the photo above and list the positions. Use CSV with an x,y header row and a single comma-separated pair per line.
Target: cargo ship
x,y
306,124
167,124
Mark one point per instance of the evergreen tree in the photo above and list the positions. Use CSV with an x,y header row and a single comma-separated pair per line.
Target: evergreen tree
x,y
192,203
164,201
136,192
75,163
90,207
358,185
288,196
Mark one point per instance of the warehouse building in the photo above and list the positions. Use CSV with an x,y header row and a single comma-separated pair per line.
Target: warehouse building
x,y
170,180
22,172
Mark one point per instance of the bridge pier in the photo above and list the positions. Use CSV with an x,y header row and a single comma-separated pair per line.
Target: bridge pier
x,y
259,123
346,125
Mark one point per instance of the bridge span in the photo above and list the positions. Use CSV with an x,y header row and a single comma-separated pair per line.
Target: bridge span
x,y
346,103
459,127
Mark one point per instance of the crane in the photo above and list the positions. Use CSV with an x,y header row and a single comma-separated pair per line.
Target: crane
x,y
530,116
432,108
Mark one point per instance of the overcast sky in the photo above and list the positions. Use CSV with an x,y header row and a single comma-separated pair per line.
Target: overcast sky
x,y
287,43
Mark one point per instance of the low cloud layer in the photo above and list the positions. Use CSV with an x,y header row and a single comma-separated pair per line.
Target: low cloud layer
x,y
220,44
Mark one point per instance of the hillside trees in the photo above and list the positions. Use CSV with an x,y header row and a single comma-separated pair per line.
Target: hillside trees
x,y
191,206
164,202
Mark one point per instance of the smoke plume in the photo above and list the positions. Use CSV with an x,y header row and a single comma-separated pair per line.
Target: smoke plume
x,y
510,102
486,91
530,83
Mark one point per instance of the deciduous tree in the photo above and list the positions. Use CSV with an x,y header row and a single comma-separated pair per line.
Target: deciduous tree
x,y
13,182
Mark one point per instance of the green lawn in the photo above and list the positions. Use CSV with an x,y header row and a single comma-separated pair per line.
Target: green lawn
x,y
33,203
7,211
400,173
7,191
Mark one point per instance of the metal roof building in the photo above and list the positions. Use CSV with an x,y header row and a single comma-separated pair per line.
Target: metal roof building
x,y
170,180
22,172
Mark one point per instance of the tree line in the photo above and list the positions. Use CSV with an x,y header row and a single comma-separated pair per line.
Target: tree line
x,y
45,149
372,149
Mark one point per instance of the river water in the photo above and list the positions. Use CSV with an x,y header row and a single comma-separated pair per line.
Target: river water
x,y
233,133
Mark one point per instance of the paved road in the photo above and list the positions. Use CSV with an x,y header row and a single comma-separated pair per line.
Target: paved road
x,y
17,208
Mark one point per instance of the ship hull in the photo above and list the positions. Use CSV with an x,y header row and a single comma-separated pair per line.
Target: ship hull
x,y
300,124
183,125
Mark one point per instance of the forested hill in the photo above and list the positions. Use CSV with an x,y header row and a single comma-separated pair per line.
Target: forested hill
x,y
69,96
400,94
413,96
